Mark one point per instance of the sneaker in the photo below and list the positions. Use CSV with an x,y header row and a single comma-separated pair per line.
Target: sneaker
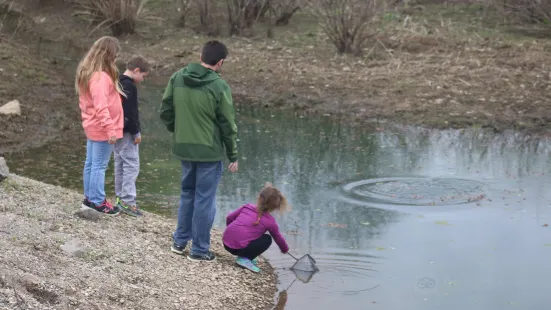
x,y
209,257
106,208
128,209
86,203
247,263
255,261
178,249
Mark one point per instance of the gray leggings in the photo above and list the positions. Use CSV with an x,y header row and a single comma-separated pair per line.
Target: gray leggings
x,y
127,168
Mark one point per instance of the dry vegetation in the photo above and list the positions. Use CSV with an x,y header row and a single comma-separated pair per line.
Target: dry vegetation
x,y
119,15
346,22
532,11
243,14
443,65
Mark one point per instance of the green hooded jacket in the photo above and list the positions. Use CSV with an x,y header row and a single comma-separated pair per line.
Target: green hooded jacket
x,y
197,107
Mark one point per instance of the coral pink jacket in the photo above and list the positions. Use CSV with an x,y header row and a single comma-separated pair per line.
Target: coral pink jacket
x,y
101,109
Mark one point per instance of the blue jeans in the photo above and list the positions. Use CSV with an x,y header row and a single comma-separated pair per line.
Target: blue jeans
x,y
98,154
197,204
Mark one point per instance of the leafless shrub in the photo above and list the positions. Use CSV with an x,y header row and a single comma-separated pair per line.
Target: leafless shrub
x,y
12,19
243,14
283,10
346,22
184,9
532,11
120,15
207,10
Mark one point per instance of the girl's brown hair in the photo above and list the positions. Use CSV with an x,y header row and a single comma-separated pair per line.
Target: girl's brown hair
x,y
100,57
270,199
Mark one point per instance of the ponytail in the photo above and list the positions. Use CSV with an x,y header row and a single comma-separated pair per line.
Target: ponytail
x,y
260,207
258,218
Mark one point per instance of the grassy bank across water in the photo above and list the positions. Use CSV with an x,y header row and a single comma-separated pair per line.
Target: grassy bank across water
x,y
53,259
434,65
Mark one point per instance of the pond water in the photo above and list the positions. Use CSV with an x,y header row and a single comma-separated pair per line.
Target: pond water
x,y
396,218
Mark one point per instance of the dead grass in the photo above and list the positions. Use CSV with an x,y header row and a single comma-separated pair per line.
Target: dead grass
x,y
444,66
441,66
120,16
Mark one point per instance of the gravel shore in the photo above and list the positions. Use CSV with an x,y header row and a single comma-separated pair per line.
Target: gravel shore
x,y
51,258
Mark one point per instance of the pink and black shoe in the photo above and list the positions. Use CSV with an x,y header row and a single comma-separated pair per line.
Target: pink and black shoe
x,y
106,208
86,202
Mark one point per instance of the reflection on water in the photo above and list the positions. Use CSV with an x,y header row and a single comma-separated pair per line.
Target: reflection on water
x,y
490,251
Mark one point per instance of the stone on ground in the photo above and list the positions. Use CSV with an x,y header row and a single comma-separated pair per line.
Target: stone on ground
x,y
11,108
4,170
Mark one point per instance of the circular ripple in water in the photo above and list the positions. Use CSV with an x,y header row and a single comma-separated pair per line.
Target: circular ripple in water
x,y
416,191
343,273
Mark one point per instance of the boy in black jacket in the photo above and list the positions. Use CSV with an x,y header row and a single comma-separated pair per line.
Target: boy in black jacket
x,y
127,160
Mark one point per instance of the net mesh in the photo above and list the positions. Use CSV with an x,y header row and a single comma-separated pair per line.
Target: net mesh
x,y
305,263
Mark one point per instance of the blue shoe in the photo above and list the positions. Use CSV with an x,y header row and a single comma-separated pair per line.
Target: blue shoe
x,y
247,263
255,261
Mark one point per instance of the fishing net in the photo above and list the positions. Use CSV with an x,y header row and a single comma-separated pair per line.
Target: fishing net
x,y
303,276
306,263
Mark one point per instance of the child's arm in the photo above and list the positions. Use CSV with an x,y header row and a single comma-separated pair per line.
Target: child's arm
x,y
278,238
130,106
167,106
232,216
99,90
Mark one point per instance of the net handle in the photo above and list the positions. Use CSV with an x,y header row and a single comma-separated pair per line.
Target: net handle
x,y
292,256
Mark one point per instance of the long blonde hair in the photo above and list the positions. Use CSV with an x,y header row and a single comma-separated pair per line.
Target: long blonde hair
x,y
270,199
100,57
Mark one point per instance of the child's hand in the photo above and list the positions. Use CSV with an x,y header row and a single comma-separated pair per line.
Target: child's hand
x,y
112,140
138,140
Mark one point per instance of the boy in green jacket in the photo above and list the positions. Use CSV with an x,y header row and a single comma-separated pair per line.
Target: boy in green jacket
x,y
197,107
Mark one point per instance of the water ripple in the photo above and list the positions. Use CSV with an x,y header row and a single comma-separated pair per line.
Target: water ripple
x,y
416,191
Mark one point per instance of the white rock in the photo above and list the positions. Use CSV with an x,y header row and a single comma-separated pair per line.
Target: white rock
x,y
74,247
11,108
88,214
4,170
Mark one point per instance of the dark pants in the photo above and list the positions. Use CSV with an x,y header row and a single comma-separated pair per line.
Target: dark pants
x,y
254,249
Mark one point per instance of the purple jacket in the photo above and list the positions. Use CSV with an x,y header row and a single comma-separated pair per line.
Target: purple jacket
x,y
241,231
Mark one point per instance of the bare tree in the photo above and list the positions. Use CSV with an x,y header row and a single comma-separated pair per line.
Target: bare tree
x,y
185,7
346,22
207,9
283,10
533,11
120,15
243,14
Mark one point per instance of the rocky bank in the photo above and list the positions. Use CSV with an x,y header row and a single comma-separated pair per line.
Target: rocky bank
x,y
52,258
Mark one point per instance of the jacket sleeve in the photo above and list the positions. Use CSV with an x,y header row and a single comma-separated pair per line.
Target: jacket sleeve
x,y
167,106
100,84
130,105
278,238
232,216
226,121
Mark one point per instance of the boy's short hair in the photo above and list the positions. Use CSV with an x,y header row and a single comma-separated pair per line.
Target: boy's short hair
x,y
137,62
213,52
